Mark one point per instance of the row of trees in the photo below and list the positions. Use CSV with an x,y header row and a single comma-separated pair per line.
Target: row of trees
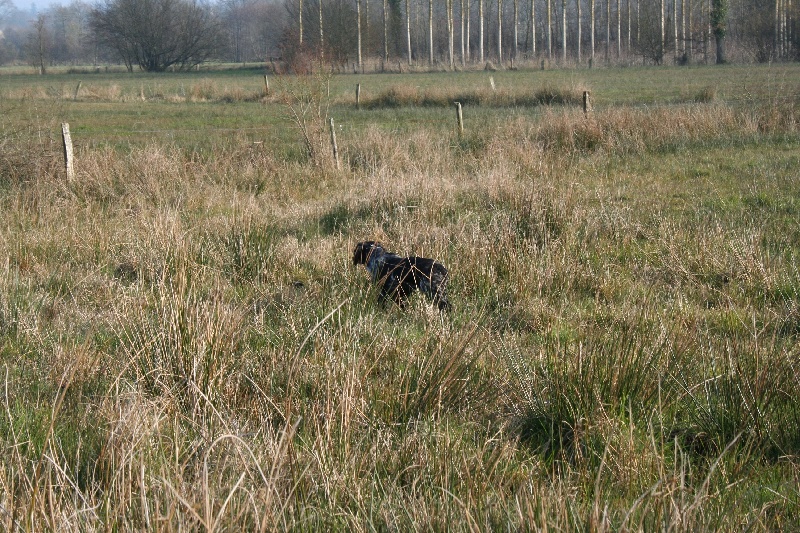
x,y
463,31
155,35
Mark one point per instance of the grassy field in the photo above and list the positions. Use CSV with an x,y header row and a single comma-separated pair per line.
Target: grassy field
x,y
185,344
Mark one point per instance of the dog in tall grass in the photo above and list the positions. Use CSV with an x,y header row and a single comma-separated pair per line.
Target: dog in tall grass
x,y
402,275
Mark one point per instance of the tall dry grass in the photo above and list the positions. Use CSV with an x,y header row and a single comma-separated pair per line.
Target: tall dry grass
x,y
185,344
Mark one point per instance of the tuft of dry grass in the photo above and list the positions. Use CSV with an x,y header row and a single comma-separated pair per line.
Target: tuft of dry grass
x,y
406,95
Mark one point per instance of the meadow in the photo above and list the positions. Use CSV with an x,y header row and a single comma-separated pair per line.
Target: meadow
x,y
186,345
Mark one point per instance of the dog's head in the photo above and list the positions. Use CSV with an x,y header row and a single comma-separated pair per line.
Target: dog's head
x,y
362,252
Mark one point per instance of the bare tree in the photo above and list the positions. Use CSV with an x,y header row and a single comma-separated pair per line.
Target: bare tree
x,y
38,44
156,34
69,33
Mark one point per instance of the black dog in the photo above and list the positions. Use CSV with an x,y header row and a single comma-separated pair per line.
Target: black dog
x,y
401,276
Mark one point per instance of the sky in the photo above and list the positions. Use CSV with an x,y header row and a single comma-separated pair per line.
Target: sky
x,y
41,5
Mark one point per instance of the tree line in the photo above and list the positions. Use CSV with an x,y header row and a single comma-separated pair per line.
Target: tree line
x,y
157,35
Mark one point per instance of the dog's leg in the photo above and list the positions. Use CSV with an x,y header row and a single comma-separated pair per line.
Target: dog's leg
x,y
391,289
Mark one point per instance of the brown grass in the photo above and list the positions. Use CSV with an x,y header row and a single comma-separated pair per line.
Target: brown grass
x,y
621,353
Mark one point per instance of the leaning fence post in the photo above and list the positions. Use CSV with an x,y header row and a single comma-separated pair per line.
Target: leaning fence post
x,y
333,144
78,88
587,103
459,118
266,84
67,139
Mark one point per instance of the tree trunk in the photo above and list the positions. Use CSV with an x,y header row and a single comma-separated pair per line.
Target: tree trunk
x,y
690,49
719,22
358,25
580,23
675,26
777,42
721,58
663,30
549,30
408,30
430,31
450,34
619,28
480,32
592,16
629,27
564,32
301,22
469,12
385,30
463,56
533,27
321,37
500,30
608,30
516,28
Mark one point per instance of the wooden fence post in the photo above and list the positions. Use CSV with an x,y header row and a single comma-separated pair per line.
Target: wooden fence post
x,y
587,103
67,140
459,118
78,88
358,96
266,84
334,146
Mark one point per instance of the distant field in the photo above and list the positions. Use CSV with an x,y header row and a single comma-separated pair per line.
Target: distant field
x,y
203,108
185,343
